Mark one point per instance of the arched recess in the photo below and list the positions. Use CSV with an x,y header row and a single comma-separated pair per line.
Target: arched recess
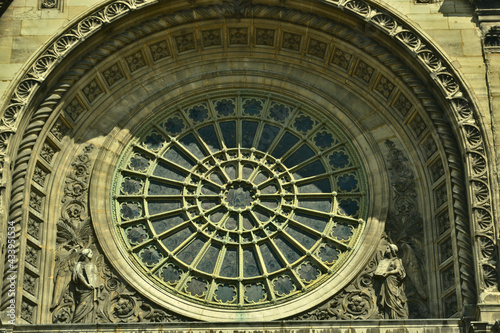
x,y
144,56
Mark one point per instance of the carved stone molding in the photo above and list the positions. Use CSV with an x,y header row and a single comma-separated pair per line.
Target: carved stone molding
x,y
442,74
115,301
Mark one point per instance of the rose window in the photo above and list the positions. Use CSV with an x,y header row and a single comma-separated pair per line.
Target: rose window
x,y
240,200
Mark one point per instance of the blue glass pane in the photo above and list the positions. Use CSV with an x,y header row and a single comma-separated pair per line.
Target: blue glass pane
x,y
154,141
324,140
174,155
229,133
198,113
192,145
311,169
303,123
174,240
287,141
130,210
255,293
270,258
139,162
319,186
158,188
290,252
347,183
173,125
283,285
267,137
339,160
209,135
157,207
279,112
150,256
342,231
252,106
225,107
302,154
171,274
225,293
166,171
132,185
196,287
167,223
349,207
329,253
250,266
207,263
322,205
301,236
230,264
137,234
315,222
189,253
249,129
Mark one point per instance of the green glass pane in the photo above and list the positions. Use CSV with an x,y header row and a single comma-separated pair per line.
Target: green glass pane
x,y
267,137
285,144
191,144
303,237
249,129
229,133
230,264
161,206
168,172
167,223
270,258
159,188
250,265
176,239
174,155
209,136
189,253
300,155
316,222
207,263
290,253
311,169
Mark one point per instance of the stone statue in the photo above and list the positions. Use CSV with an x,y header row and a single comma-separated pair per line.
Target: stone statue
x,y
392,296
85,280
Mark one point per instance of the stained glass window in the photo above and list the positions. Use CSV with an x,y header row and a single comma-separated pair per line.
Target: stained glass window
x,y
241,200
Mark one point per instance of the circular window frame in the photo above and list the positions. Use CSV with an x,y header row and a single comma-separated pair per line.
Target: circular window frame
x,y
123,261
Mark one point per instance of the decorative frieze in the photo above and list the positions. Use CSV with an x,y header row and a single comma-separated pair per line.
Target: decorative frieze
x,y
92,91
59,130
264,37
364,71
211,37
47,152
341,58
34,227
74,109
418,125
317,48
112,74
185,42
238,36
28,311
40,175
159,50
135,61
384,87
32,255
402,104
291,41
30,283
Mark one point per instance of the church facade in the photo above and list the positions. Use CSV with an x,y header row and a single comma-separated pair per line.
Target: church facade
x,y
249,165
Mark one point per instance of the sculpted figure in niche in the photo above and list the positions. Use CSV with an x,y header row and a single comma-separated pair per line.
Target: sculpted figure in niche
x,y
85,279
392,296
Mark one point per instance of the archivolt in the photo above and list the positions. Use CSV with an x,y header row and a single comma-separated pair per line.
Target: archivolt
x,y
461,107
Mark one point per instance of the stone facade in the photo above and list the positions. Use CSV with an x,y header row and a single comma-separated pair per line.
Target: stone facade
x,y
396,101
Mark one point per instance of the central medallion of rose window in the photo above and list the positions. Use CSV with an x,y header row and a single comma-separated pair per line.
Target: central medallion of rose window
x,y
242,200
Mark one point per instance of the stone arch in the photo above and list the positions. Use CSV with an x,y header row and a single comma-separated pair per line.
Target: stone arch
x,y
29,113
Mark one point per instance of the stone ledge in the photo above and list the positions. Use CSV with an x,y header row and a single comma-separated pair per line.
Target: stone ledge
x,y
367,326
